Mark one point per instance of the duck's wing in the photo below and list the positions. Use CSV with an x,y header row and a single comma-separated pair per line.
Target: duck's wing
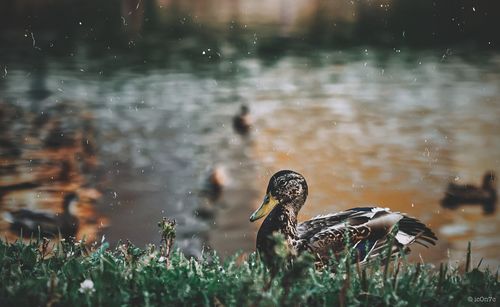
x,y
311,227
366,229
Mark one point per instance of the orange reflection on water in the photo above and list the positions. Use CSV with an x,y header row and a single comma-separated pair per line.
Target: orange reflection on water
x,y
48,160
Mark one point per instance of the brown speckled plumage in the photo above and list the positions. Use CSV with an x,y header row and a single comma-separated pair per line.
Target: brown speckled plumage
x,y
366,228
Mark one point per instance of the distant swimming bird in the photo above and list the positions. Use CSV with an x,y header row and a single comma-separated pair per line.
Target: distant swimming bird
x,y
368,229
486,195
51,225
242,121
211,189
213,183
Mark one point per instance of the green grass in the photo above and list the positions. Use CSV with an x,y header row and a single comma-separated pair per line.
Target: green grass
x,y
129,275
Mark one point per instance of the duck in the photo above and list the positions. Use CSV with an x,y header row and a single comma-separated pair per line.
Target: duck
x,y
370,230
242,121
213,183
211,190
463,194
29,222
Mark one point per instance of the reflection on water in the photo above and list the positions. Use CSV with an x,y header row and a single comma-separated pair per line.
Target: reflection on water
x,y
46,160
365,127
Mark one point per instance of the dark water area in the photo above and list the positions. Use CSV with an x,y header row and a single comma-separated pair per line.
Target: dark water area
x,y
134,113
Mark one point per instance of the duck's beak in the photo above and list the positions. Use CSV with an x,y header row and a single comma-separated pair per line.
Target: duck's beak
x,y
267,205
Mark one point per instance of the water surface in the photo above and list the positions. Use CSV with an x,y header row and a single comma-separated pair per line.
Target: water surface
x,y
364,126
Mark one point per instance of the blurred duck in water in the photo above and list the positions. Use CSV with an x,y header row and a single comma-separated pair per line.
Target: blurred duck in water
x,y
213,184
485,195
57,137
211,190
242,121
51,225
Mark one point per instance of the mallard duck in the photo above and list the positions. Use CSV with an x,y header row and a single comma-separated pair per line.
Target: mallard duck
x,y
213,183
242,121
51,225
211,189
485,195
368,229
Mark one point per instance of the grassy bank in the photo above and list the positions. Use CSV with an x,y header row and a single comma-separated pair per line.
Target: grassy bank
x,y
74,274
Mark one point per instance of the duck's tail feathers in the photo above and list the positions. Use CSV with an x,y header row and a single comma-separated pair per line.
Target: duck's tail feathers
x,y
411,230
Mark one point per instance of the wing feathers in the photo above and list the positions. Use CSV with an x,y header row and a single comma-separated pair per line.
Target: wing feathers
x,y
366,227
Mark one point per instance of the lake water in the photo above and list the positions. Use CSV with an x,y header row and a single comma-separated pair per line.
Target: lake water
x,y
364,126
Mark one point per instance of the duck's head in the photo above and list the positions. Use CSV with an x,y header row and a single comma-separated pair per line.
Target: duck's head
x,y
287,188
244,110
489,180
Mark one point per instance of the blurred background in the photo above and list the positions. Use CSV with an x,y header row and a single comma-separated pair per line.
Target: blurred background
x,y
132,108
